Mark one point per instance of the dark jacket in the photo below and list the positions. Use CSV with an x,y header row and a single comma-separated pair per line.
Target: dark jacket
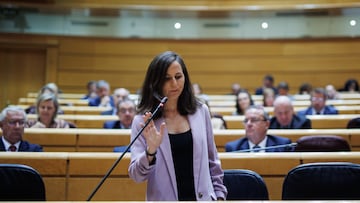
x,y
272,140
113,125
298,122
327,110
97,100
24,147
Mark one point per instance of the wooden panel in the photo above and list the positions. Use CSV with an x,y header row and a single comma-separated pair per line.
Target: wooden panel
x,y
113,189
123,62
22,70
330,157
55,188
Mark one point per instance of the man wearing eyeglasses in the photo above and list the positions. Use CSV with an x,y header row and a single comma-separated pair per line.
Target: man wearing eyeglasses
x,y
12,121
125,112
256,138
318,104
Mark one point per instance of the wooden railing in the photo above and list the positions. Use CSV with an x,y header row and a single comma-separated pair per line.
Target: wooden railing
x,y
104,140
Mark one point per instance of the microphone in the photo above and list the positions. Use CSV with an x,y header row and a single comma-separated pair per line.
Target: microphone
x,y
270,147
161,104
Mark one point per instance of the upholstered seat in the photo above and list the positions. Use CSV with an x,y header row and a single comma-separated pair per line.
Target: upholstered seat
x,y
354,123
323,181
20,183
322,143
245,184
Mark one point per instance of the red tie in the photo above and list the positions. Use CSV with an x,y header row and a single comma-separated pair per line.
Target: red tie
x,y
12,148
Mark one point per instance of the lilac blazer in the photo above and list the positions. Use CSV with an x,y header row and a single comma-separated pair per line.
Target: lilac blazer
x,y
160,177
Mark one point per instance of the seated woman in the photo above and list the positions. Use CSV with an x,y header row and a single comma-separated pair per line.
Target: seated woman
x,y
243,101
50,88
268,97
47,107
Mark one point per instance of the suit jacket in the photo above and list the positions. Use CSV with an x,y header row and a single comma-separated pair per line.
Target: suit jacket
x,y
24,147
112,125
327,110
297,122
272,140
161,178
109,112
260,90
97,100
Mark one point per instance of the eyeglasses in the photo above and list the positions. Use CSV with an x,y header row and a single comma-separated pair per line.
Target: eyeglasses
x,y
14,122
253,120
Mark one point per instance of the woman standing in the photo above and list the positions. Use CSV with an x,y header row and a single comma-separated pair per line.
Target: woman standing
x,y
176,153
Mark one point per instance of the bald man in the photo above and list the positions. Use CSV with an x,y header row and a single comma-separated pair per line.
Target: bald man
x,y
284,117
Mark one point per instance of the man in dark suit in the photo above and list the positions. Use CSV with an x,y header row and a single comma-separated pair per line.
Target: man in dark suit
x,y
268,82
103,97
13,121
318,104
119,95
125,112
284,117
256,138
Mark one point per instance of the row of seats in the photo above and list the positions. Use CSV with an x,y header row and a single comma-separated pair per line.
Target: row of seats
x,y
314,181
73,176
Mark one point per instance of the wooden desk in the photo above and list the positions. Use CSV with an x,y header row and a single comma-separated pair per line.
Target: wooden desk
x,y
84,121
226,111
317,121
351,135
72,176
296,103
75,102
77,140
104,140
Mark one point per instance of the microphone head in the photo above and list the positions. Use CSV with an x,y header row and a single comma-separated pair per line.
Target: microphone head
x,y
164,100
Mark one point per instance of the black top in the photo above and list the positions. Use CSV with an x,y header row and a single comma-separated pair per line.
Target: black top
x,y
182,153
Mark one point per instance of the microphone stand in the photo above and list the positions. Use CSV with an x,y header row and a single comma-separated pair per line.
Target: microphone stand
x,y
163,101
265,148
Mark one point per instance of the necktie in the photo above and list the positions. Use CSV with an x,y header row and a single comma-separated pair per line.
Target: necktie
x,y
256,148
12,148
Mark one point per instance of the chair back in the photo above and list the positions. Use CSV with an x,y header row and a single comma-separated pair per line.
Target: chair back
x,y
20,183
323,181
354,123
245,184
322,143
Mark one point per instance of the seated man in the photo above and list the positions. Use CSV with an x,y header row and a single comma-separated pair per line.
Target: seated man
x,y
12,121
256,138
125,112
119,95
284,117
318,104
103,97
